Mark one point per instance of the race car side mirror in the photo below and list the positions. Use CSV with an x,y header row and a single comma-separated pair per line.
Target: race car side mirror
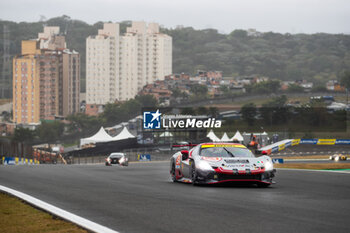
x,y
184,154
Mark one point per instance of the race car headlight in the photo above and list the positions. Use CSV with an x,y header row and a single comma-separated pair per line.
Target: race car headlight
x,y
121,160
204,166
268,166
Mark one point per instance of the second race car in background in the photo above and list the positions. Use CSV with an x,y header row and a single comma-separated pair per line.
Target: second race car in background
x,y
117,158
337,157
210,163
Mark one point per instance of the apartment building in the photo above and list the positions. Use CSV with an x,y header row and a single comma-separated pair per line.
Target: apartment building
x,y
46,79
118,66
102,65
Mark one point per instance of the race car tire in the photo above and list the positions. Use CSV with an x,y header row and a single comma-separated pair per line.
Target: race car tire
x,y
263,185
194,174
172,171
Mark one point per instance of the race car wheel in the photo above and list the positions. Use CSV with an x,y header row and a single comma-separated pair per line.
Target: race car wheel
x,y
193,174
263,185
172,172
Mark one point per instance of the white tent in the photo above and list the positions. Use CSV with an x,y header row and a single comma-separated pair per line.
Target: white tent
x,y
100,136
124,134
211,135
238,136
225,138
166,134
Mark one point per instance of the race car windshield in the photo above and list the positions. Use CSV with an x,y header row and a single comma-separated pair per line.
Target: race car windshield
x,y
226,152
114,156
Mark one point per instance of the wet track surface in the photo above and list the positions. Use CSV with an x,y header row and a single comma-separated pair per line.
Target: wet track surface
x,y
141,198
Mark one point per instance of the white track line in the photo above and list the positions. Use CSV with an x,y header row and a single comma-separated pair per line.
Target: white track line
x,y
87,224
313,170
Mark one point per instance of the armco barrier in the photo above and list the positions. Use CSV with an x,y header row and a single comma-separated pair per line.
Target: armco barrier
x,y
281,145
308,141
342,141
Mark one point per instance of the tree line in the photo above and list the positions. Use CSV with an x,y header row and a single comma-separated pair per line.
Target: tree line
x,y
316,57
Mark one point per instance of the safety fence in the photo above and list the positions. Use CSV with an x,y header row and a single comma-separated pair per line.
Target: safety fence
x,y
133,156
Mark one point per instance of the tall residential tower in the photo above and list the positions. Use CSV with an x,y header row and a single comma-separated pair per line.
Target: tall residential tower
x,y
46,79
119,66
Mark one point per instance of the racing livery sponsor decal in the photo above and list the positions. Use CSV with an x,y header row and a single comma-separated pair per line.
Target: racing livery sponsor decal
x,y
177,163
236,160
213,159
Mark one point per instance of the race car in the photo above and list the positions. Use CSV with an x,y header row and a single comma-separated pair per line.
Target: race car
x,y
337,157
117,158
211,163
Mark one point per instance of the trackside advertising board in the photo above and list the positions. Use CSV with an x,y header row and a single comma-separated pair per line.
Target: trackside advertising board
x,y
18,161
342,142
277,160
144,157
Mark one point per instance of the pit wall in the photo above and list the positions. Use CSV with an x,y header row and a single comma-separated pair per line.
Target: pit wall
x,y
278,146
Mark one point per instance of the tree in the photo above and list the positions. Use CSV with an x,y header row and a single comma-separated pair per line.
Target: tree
x,y
23,135
249,112
188,111
199,90
176,92
294,88
202,110
275,111
50,132
345,79
146,100
80,122
213,111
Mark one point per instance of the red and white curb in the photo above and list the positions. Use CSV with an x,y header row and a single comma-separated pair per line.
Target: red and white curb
x,y
83,222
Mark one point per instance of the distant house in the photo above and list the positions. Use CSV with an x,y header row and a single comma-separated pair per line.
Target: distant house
x,y
334,85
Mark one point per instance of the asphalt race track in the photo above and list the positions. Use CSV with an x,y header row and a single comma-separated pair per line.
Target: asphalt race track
x,y
141,198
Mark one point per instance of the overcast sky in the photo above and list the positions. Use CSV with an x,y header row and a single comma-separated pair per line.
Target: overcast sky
x,y
293,16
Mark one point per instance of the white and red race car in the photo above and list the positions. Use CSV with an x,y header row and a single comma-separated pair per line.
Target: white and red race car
x,y
211,163
117,158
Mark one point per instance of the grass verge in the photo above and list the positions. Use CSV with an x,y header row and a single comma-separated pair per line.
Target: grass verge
x,y
17,216
317,166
